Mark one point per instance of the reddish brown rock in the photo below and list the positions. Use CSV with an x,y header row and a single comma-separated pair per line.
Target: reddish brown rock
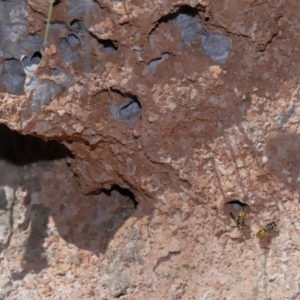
x,y
162,136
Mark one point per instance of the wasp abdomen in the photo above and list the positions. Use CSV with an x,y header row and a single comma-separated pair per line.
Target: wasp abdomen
x,y
261,233
240,220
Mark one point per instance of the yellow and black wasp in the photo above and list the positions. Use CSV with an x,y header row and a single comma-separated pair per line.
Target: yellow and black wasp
x,y
241,220
266,230
239,213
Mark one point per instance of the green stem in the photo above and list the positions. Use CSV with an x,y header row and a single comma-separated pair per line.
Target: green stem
x,y
48,19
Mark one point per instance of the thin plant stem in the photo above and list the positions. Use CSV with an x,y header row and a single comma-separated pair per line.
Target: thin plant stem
x,y
48,19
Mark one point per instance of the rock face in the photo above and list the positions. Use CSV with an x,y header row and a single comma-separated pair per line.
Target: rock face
x,y
171,111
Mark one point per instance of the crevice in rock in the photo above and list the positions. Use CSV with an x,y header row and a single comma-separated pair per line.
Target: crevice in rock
x,y
187,21
262,47
185,9
108,45
120,295
165,258
154,63
77,25
122,191
127,111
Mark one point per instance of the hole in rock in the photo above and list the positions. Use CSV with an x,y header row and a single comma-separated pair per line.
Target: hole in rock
x,y
122,191
232,208
34,59
108,46
77,25
185,9
128,111
31,51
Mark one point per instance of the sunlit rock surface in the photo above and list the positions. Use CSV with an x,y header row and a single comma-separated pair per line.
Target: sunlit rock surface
x,y
169,110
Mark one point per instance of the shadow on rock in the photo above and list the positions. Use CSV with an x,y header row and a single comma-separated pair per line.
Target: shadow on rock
x,y
19,156
90,222
25,149
34,258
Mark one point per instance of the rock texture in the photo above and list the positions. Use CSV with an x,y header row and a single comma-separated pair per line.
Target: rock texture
x,y
170,110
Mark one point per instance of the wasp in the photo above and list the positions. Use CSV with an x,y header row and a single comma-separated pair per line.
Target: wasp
x,y
241,220
265,231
